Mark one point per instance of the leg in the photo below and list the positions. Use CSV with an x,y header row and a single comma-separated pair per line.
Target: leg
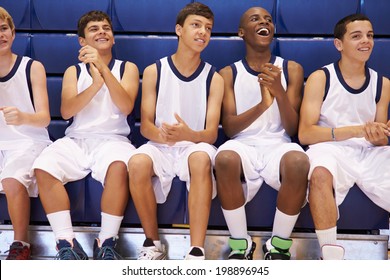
x,y
18,207
142,193
199,200
228,171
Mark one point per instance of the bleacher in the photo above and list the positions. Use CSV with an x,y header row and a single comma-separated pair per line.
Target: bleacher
x,y
46,31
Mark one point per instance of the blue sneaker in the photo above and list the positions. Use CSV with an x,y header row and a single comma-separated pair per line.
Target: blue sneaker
x,y
67,251
106,251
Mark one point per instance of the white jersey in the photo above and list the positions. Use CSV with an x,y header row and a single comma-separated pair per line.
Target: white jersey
x,y
16,91
186,96
101,118
345,106
267,128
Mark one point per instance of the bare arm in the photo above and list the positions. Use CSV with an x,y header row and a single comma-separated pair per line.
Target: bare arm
x,y
309,130
289,101
231,122
41,117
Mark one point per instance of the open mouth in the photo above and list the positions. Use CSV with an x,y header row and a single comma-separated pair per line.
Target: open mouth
x,y
263,32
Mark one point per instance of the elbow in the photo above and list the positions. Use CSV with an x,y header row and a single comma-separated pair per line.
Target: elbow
x,y
302,138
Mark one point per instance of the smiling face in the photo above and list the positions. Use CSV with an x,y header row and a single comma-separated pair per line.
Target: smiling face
x,y
195,32
257,27
98,34
358,40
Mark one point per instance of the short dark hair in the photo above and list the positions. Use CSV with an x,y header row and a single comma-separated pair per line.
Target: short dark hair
x,y
91,16
195,8
341,27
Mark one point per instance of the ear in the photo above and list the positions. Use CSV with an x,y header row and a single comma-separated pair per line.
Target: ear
x,y
338,44
178,29
82,41
240,33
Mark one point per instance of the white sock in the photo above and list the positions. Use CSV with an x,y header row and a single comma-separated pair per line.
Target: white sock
x,y
236,222
61,225
109,227
283,226
327,236
23,243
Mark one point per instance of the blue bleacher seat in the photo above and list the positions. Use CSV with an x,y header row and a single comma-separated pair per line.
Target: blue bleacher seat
x,y
21,45
54,85
312,17
19,11
146,16
310,53
227,14
378,12
381,54
56,51
144,50
63,14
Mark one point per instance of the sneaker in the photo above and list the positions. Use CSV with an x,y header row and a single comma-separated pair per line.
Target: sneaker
x,y
105,251
242,249
150,251
67,251
280,250
18,251
332,252
196,253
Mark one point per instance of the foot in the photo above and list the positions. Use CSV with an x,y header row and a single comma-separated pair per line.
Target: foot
x,y
18,251
151,251
332,252
241,249
106,251
70,250
280,249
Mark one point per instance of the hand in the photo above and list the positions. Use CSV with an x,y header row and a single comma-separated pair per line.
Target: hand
x,y
176,132
270,77
13,116
88,54
375,132
96,76
266,96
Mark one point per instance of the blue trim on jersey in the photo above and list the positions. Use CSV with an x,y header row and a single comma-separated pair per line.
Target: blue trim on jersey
x,y
346,86
180,76
234,70
209,78
285,70
78,71
379,88
29,85
158,66
327,82
13,70
248,69
122,69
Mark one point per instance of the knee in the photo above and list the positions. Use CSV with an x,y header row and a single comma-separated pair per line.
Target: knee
x,y
118,168
140,168
199,162
320,179
13,188
225,160
298,163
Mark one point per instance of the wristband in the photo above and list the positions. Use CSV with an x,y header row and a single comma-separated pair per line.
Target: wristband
x,y
333,137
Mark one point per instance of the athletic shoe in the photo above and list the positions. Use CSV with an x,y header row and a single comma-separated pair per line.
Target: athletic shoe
x,y
280,250
105,251
195,253
241,249
67,251
332,252
150,251
18,251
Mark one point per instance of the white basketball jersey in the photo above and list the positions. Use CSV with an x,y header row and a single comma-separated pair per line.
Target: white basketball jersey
x,y
16,91
186,96
267,128
345,106
101,118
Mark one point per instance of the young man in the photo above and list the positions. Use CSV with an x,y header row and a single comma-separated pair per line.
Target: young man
x,y
24,116
99,94
343,119
181,100
260,113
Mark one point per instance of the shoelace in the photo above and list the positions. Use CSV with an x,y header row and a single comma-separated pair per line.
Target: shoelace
x,y
108,253
67,253
16,251
147,253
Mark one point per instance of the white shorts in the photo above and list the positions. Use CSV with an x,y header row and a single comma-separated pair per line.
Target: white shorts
x,y
69,159
169,162
368,167
259,163
17,164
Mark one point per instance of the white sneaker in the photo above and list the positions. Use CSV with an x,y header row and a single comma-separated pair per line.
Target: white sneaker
x,y
195,253
332,252
150,251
